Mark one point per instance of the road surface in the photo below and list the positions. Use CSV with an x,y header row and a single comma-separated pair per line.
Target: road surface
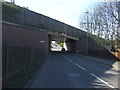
x,y
68,70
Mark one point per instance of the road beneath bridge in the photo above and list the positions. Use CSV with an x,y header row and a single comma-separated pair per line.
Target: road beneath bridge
x,y
69,70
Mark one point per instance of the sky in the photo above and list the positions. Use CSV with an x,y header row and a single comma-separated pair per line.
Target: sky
x,y
67,11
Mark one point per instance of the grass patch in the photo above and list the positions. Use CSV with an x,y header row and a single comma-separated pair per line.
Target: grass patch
x,y
21,77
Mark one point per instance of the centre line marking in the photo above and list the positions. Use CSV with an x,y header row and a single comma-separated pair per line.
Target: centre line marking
x,y
74,63
79,66
102,80
91,73
68,58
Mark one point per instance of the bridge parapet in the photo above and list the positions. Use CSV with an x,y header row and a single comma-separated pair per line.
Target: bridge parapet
x,y
22,16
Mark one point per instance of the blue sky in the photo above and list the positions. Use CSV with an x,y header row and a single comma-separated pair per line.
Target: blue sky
x,y
67,11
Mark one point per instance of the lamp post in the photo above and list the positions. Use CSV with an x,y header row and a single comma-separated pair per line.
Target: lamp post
x,y
13,1
87,28
87,20
118,29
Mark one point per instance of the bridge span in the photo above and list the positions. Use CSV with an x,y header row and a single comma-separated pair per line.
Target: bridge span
x,y
22,18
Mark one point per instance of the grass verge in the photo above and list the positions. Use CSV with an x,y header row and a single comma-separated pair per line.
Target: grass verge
x,y
21,77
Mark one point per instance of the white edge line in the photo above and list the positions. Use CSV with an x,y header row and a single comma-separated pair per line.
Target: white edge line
x,y
79,66
91,73
102,80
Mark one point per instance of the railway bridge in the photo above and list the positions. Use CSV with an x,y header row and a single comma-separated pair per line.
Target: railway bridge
x,y
27,36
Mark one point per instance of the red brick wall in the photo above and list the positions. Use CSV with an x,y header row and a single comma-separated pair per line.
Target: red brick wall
x,y
81,46
22,46
94,49
23,37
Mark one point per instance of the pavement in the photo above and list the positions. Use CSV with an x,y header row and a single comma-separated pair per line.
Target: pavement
x,y
70,70
114,64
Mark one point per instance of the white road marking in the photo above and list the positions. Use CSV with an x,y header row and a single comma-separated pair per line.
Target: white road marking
x,y
74,63
79,66
102,80
68,58
91,73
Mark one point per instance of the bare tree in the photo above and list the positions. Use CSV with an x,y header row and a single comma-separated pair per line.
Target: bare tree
x,y
103,21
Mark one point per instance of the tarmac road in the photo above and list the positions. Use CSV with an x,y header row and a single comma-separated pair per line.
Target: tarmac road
x,y
69,70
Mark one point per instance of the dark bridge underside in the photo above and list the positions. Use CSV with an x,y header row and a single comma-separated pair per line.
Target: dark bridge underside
x,y
70,44
58,38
